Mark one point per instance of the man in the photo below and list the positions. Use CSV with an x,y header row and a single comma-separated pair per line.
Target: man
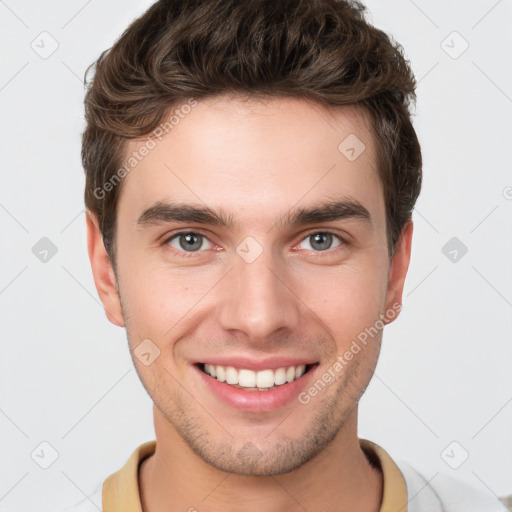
x,y
251,171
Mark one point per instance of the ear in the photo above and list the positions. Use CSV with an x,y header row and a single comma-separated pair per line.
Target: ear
x,y
398,271
102,271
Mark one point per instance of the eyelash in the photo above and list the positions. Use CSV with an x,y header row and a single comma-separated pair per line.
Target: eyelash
x,y
185,254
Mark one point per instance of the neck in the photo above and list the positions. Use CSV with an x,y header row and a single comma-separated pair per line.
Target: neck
x,y
339,478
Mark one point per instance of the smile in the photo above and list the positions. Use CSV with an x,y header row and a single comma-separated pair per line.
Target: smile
x,y
263,380
258,390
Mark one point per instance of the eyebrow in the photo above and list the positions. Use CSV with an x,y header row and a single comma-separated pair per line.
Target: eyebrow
x,y
163,212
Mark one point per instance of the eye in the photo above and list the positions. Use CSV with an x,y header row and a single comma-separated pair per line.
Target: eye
x,y
322,241
188,241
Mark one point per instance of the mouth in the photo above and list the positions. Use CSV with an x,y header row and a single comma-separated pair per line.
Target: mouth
x,y
250,380
256,391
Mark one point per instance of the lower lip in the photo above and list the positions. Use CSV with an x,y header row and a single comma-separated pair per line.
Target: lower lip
x,y
257,401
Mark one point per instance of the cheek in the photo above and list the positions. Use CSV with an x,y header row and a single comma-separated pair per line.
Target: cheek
x,y
159,298
347,299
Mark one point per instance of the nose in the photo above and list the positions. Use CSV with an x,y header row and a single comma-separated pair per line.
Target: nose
x,y
258,299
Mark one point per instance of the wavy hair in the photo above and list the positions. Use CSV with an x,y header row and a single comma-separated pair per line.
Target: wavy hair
x,y
316,49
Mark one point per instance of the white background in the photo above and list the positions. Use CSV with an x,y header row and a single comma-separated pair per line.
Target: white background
x,y
445,368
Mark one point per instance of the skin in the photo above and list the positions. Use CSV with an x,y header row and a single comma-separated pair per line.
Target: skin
x,y
257,160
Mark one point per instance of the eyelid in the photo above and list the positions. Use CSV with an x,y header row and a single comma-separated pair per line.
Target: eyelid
x,y
173,234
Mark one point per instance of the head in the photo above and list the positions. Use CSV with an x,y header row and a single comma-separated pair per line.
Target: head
x,y
251,171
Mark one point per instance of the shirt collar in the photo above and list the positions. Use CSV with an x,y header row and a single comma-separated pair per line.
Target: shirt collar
x,y
121,489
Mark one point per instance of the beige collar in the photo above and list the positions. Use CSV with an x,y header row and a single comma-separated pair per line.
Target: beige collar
x,y
121,489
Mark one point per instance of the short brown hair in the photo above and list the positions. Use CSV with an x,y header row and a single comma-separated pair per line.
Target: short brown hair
x,y
323,50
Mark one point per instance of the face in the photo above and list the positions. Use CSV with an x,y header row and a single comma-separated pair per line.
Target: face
x,y
248,241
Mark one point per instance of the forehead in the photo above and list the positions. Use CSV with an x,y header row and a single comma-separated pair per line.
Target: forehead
x,y
255,157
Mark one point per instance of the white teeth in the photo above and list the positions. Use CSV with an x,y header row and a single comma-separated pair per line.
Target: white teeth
x,y
231,375
247,378
221,374
279,376
263,380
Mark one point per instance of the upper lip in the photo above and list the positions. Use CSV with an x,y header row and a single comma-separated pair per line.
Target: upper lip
x,y
269,363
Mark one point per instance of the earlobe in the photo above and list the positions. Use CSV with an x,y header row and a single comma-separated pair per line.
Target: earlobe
x,y
103,273
398,271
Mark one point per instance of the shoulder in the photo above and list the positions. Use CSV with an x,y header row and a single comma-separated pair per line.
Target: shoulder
x,y
121,486
91,503
444,493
